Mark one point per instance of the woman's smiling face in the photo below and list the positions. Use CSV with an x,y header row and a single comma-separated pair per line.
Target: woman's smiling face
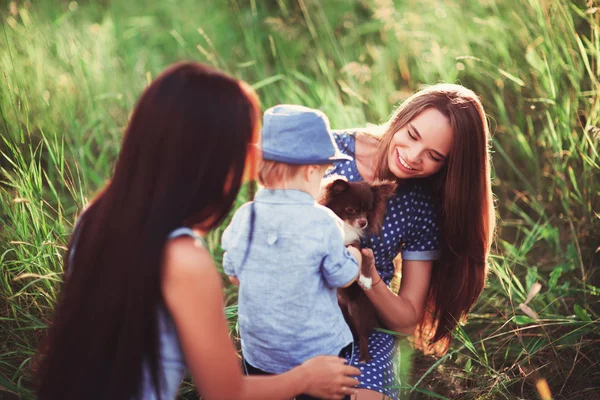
x,y
421,147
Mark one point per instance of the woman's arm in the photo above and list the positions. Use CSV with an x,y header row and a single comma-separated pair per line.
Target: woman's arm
x,y
192,291
402,312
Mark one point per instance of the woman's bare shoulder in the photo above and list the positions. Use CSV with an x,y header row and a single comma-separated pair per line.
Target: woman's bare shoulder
x,y
366,143
185,256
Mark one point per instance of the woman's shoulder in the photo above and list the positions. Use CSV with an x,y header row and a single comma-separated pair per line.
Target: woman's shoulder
x,y
184,257
345,138
344,133
345,141
183,251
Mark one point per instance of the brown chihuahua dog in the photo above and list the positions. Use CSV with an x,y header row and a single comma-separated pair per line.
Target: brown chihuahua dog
x,y
362,207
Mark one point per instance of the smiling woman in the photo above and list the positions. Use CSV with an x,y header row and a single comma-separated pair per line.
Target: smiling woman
x,y
421,147
441,224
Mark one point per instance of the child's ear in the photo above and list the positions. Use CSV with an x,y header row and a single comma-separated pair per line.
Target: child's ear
x,y
315,169
308,171
382,191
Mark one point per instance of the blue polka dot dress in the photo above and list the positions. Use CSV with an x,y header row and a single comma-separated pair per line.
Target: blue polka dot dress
x,y
409,228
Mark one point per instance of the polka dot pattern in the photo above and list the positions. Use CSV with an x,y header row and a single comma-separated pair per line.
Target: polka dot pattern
x,y
380,373
409,227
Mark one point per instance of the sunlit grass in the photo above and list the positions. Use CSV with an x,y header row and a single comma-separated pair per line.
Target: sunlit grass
x,y
71,74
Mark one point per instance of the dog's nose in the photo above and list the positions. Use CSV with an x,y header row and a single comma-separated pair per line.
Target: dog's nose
x,y
362,223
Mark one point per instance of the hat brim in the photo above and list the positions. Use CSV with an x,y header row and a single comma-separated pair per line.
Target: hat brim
x,y
272,156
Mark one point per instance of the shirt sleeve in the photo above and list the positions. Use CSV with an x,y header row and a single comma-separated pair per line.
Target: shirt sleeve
x,y
230,244
339,266
340,168
423,243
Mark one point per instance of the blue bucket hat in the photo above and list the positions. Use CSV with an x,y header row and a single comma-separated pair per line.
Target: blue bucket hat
x,y
298,135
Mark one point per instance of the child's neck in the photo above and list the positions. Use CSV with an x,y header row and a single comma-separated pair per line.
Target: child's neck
x,y
292,184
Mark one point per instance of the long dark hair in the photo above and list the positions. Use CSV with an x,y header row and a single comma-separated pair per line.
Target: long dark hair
x,y
462,191
181,163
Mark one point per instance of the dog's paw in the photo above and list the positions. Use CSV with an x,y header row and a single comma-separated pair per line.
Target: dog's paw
x,y
365,282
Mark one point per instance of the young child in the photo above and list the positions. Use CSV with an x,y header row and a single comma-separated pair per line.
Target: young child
x,y
286,252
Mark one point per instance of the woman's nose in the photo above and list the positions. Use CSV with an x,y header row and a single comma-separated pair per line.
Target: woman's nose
x,y
413,155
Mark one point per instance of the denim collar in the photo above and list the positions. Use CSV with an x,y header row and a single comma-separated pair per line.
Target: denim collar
x,y
283,196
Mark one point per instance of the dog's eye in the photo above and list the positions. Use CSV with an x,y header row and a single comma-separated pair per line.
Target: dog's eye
x,y
350,210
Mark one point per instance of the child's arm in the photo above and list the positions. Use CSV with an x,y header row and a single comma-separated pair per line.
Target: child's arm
x,y
356,254
229,240
340,265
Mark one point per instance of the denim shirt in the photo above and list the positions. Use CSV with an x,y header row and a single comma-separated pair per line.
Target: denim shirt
x,y
288,310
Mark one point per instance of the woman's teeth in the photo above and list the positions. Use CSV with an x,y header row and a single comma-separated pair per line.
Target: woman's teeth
x,y
402,161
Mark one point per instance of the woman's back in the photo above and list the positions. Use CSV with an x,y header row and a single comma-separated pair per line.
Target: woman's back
x,y
171,360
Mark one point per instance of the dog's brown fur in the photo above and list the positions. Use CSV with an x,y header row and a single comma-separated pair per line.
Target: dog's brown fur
x,y
356,203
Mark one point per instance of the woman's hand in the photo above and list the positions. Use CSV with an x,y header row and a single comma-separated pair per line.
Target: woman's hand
x,y
369,276
329,377
369,260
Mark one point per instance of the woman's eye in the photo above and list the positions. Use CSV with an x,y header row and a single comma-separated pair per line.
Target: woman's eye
x,y
411,135
350,210
434,158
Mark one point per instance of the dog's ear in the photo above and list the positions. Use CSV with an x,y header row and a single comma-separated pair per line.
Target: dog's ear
x,y
382,191
339,185
331,186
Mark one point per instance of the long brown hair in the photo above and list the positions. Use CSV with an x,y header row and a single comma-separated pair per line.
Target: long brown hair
x,y
182,162
462,192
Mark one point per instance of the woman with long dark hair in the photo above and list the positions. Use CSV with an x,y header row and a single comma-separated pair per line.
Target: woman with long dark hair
x,y
141,300
441,219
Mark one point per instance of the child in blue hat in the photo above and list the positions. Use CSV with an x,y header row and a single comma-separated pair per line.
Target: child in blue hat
x,y
287,252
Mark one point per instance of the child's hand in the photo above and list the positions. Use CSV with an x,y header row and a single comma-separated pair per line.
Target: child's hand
x,y
234,280
355,253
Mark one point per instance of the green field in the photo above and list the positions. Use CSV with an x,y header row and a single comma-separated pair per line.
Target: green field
x,y
72,71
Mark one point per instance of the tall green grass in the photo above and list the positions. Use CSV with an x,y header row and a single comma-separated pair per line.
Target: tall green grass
x,y
71,73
